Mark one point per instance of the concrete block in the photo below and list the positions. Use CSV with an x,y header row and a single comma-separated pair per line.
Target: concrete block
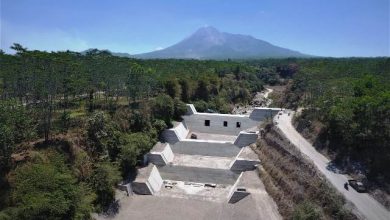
x,y
246,138
191,109
176,134
161,154
148,181
241,165
260,114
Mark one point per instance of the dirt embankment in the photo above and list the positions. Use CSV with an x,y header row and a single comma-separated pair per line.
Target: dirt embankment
x,y
294,182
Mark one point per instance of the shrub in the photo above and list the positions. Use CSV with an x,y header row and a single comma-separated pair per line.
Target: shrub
x,y
306,211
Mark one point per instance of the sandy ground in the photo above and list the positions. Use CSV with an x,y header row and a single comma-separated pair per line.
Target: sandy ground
x,y
258,205
260,100
365,204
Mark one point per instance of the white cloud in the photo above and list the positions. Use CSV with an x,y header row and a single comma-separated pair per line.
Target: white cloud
x,y
158,48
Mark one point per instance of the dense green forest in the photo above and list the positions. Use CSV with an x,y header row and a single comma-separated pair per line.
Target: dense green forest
x,y
346,111
73,125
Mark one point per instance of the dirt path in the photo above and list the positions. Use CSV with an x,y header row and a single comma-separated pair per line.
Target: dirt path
x,y
260,100
366,205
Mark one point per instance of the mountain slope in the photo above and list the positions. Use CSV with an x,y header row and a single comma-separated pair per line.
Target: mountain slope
x,y
209,43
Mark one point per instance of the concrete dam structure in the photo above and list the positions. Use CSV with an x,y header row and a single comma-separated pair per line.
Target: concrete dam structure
x,y
203,156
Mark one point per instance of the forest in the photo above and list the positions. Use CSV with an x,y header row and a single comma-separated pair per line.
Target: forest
x,y
346,113
74,125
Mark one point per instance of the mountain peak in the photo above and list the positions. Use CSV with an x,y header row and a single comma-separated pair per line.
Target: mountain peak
x,y
209,43
207,29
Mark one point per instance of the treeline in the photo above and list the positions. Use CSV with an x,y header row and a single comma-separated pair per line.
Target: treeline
x,y
73,125
346,111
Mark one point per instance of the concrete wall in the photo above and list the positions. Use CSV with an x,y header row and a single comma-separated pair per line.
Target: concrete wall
x,y
161,158
155,181
259,114
156,159
141,188
191,109
175,134
236,193
234,187
150,185
196,123
240,165
167,154
181,131
246,138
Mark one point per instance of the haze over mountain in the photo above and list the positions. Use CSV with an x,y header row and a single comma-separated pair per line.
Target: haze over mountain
x,y
209,43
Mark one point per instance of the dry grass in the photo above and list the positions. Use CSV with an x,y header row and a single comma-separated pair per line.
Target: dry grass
x,y
291,180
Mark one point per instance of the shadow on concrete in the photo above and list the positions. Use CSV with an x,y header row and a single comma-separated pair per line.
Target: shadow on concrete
x,y
112,210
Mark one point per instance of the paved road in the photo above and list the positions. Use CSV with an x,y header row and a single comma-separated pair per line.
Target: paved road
x,y
365,204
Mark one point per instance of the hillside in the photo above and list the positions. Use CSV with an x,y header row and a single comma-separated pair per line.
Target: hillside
x,y
210,43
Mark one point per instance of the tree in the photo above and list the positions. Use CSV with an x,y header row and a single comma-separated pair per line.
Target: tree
x,y
133,147
16,126
185,90
97,131
202,92
180,108
163,108
104,177
48,191
172,88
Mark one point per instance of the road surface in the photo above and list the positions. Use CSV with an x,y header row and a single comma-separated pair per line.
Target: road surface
x,y
364,203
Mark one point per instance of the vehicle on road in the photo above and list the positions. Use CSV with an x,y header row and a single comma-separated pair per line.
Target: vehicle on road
x,y
346,185
357,185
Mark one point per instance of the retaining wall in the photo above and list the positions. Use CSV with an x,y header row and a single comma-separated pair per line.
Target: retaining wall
x,y
175,134
246,138
149,184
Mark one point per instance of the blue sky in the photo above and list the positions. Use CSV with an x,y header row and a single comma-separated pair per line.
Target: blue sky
x,y
319,27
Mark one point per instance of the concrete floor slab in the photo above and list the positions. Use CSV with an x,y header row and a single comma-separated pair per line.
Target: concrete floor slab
x,y
258,205
202,161
205,148
198,175
213,137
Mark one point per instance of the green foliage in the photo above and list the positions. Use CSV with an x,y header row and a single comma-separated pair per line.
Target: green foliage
x,y
104,177
163,108
201,105
186,90
49,191
306,211
352,105
16,126
97,131
140,121
133,146
65,121
202,91
172,88
180,108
